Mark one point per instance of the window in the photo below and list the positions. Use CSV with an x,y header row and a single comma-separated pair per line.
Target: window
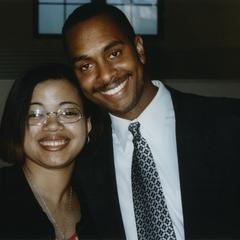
x,y
51,14
142,14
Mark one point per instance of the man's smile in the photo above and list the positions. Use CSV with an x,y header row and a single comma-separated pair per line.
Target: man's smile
x,y
115,89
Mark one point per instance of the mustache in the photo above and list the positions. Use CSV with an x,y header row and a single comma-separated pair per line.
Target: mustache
x,y
114,81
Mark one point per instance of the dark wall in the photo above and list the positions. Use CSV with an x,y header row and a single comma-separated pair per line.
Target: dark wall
x,y
19,48
200,39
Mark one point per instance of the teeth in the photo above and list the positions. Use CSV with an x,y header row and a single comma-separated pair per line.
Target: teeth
x,y
54,143
116,89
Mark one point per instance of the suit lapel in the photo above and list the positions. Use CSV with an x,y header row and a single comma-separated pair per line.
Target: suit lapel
x,y
185,136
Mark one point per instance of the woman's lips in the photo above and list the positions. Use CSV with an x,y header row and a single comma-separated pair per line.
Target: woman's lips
x,y
54,143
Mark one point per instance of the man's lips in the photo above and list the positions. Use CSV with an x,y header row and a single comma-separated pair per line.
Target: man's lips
x,y
54,143
115,89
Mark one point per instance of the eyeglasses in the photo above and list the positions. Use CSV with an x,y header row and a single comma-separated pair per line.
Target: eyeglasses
x,y
64,115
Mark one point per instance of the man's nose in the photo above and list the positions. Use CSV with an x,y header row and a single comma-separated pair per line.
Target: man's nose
x,y
106,71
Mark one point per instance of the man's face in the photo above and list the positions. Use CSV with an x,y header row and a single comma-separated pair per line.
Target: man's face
x,y
109,66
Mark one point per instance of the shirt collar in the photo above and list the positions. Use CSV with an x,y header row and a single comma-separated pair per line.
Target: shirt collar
x,y
157,109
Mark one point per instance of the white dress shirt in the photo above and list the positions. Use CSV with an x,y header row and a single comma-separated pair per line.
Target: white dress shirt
x,y
158,128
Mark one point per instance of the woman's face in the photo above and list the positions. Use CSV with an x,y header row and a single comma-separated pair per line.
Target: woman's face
x,y
54,144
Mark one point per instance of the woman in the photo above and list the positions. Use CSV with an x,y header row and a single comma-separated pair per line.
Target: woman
x,y
44,127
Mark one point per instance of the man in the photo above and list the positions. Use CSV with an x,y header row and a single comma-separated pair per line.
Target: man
x,y
193,140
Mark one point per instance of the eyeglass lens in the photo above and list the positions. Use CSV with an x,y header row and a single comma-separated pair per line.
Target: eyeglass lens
x,y
66,115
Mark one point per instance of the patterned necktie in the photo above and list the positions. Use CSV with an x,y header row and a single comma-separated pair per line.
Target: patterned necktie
x,y
152,217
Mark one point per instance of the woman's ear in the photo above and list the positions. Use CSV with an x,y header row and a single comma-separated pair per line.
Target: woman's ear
x,y
140,48
89,128
89,125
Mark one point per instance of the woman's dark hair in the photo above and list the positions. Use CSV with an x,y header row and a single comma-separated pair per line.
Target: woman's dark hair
x,y
94,9
13,124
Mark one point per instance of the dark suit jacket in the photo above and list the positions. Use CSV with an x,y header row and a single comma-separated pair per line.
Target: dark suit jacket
x,y
21,217
208,146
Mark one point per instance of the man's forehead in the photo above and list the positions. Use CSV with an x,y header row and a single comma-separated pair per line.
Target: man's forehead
x,y
94,26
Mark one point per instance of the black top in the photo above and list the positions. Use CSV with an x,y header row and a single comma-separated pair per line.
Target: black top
x,y
21,216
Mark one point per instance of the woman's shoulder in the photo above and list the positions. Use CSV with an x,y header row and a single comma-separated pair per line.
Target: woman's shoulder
x,y
10,177
9,187
19,209
9,171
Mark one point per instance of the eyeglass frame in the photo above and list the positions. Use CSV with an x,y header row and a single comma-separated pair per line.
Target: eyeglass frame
x,y
57,114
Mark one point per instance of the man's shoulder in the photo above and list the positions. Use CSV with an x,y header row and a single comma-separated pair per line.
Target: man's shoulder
x,y
207,118
204,104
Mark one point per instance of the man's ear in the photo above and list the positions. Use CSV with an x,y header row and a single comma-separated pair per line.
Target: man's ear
x,y
140,48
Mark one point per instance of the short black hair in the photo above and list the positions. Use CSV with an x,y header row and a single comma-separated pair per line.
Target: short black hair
x,y
94,9
13,124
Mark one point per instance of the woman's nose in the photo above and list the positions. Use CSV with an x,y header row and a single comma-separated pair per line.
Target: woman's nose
x,y
52,123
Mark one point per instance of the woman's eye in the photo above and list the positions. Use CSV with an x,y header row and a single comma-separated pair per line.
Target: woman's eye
x,y
35,115
32,115
70,112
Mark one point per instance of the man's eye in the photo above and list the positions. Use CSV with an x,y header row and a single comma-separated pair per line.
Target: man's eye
x,y
115,54
85,67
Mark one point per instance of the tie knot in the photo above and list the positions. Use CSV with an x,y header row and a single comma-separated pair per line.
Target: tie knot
x,y
134,128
